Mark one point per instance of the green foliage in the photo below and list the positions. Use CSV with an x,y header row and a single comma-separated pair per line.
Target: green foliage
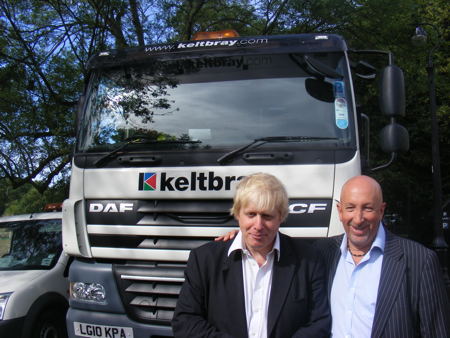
x,y
188,17
27,199
30,201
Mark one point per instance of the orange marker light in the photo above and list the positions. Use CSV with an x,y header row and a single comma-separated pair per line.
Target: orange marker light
x,y
50,207
223,34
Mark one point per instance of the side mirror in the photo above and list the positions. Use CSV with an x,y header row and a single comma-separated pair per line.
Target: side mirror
x,y
394,138
392,91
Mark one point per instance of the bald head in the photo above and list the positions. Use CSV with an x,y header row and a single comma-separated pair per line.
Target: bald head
x,y
363,183
361,210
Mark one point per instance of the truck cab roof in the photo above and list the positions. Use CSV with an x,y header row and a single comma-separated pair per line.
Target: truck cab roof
x,y
295,43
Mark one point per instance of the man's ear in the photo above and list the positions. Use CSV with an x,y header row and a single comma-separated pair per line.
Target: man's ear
x,y
382,208
338,207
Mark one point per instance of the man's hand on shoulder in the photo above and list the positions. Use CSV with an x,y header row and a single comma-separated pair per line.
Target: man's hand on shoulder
x,y
227,237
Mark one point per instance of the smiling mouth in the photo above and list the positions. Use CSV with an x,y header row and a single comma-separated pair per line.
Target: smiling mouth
x,y
359,230
257,237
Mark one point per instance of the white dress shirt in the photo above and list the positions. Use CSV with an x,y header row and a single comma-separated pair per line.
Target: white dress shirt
x,y
257,286
355,289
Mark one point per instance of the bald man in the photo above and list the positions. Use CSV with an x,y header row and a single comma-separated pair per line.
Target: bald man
x,y
381,285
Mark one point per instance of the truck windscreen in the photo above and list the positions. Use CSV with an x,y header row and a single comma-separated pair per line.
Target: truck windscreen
x,y
217,103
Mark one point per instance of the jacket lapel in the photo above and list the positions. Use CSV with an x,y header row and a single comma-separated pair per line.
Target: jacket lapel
x,y
234,289
282,274
332,260
392,275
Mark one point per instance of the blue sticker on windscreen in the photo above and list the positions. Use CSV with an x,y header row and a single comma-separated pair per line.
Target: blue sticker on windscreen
x,y
338,89
341,113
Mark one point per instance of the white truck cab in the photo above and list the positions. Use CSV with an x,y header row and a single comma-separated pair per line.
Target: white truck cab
x,y
33,276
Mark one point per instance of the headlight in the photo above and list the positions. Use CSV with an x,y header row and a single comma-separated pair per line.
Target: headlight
x,y
3,300
90,292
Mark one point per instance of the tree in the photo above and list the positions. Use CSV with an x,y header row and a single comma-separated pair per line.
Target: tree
x,y
45,46
40,80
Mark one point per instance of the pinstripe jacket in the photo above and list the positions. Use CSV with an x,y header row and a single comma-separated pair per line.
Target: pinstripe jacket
x,y
412,300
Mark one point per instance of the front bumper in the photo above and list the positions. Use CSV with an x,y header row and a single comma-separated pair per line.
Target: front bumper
x,y
11,328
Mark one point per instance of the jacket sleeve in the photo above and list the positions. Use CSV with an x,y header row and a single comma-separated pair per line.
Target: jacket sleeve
x,y
190,317
319,324
434,309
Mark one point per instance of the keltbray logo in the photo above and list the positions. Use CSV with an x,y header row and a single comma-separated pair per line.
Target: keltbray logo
x,y
194,181
147,181
206,43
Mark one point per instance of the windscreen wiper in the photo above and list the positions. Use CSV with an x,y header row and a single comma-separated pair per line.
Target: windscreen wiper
x,y
137,140
270,139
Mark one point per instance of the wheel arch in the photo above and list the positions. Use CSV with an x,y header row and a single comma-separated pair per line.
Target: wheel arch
x,y
50,301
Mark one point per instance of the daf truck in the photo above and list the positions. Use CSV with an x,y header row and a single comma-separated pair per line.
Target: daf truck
x,y
164,134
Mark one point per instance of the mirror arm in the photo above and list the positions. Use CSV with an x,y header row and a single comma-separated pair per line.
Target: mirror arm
x,y
367,132
393,157
373,51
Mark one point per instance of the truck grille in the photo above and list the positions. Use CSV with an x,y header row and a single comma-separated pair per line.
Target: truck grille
x,y
154,230
150,291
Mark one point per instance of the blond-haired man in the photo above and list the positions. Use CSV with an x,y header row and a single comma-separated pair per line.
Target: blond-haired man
x,y
261,284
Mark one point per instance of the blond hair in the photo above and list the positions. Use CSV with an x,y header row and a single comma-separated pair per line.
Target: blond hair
x,y
262,190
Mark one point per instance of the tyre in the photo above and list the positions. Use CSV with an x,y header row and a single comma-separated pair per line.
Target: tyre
x,y
50,324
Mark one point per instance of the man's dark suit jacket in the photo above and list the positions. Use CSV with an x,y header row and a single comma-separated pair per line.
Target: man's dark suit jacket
x,y
212,304
411,301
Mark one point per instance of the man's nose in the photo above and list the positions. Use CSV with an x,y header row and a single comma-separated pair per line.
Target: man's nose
x,y
259,222
358,217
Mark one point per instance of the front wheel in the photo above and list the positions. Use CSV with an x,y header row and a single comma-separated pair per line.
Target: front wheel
x,y
50,324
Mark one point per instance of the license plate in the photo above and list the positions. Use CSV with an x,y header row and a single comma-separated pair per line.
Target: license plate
x,y
102,331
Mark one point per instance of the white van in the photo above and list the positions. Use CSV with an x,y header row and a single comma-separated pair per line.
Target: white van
x,y
33,276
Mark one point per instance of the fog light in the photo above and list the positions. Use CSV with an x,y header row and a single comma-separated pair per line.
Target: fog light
x,y
90,292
